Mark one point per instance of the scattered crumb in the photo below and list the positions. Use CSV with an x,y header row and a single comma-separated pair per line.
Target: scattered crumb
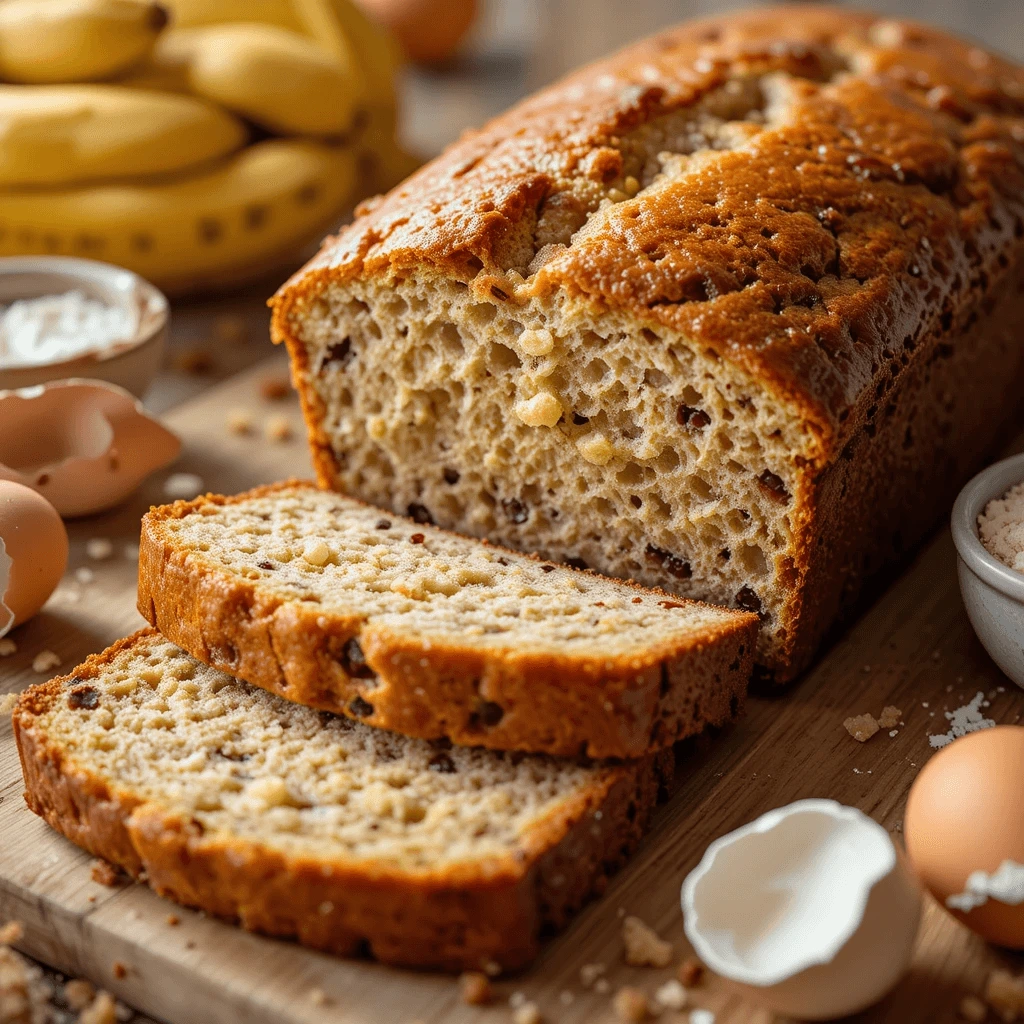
x,y
517,999
119,970
318,997
602,986
972,1009
528,1013
702,1017
565,997
183,486
475,988
24,995
131,552
196,360
278,428
492,969
85,575
104,873
861,728
671,995
889,717
79,993
893,732
238,421
1005,994
98,548
44,661
936,655
230,329
589,973
173,920
962,721
7,702
102,1010
7,647
691,972
190,943
13,931
631,1005
643,947
275,387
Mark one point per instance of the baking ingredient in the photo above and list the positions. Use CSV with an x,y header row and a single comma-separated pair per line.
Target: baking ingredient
x,y
429,30
1001,527
53,328
278,79
246,213
83,445
72,134
809,908
965,834
33,553
45,41
963,720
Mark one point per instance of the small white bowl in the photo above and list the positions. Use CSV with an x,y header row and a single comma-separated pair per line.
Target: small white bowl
x,y
130,364
993,592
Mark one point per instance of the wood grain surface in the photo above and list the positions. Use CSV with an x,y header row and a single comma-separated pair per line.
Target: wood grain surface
x,y
914,648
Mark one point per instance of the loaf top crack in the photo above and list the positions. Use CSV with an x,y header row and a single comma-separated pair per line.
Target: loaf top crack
x,y
334,603
792,190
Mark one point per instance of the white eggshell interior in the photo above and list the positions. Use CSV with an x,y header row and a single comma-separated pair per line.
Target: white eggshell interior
x,y
6,615
785,892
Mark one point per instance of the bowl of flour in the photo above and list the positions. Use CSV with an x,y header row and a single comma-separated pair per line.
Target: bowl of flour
x,y
64,317
988,531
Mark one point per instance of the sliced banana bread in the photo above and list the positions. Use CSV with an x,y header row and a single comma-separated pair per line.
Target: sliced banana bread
x,y
300,823
332,603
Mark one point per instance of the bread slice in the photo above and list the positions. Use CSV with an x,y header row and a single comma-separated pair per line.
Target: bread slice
x,y
330,603
300,823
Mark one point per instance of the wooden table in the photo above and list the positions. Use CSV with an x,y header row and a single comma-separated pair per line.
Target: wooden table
x,y
913,648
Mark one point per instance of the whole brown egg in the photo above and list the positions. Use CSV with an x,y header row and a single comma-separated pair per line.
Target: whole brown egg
x,y
429,31
964,832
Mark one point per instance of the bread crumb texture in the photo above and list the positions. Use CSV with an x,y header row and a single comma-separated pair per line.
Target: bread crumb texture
x,y
307,545
244,764
1002,527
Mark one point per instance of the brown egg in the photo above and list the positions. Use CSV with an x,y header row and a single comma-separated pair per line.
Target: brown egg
x,y
33,553
428,30
964,817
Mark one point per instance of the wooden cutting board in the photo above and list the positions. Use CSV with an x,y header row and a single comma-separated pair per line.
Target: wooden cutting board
x,y
914,649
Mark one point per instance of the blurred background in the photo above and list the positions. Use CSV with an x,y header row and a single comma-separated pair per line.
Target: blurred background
x,y
516,46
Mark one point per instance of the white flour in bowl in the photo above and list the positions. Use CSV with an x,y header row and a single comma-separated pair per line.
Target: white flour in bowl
x,y
1001,526
52,328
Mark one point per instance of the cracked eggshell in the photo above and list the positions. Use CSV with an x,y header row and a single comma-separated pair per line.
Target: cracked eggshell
x,y
83,445
975,872
810,910
33,553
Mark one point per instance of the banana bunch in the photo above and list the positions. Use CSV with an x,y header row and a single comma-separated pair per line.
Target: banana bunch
x,y
197,142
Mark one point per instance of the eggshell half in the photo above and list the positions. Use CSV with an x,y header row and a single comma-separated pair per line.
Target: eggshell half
x,y
964,819
83,445
33,553
810,910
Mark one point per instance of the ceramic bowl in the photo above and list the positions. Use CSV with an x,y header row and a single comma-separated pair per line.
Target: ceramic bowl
x,y
131,364
993,593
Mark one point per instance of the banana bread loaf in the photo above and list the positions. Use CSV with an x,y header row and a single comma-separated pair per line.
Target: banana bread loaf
x,y
301,823
323,600
731,313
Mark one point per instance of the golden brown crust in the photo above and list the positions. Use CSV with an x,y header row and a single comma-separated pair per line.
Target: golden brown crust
x,y
898,171
852,260
556,704
456,919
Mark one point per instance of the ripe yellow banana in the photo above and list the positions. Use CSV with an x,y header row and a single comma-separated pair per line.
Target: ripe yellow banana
x,y
279,79
71,134
54,41
249,215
